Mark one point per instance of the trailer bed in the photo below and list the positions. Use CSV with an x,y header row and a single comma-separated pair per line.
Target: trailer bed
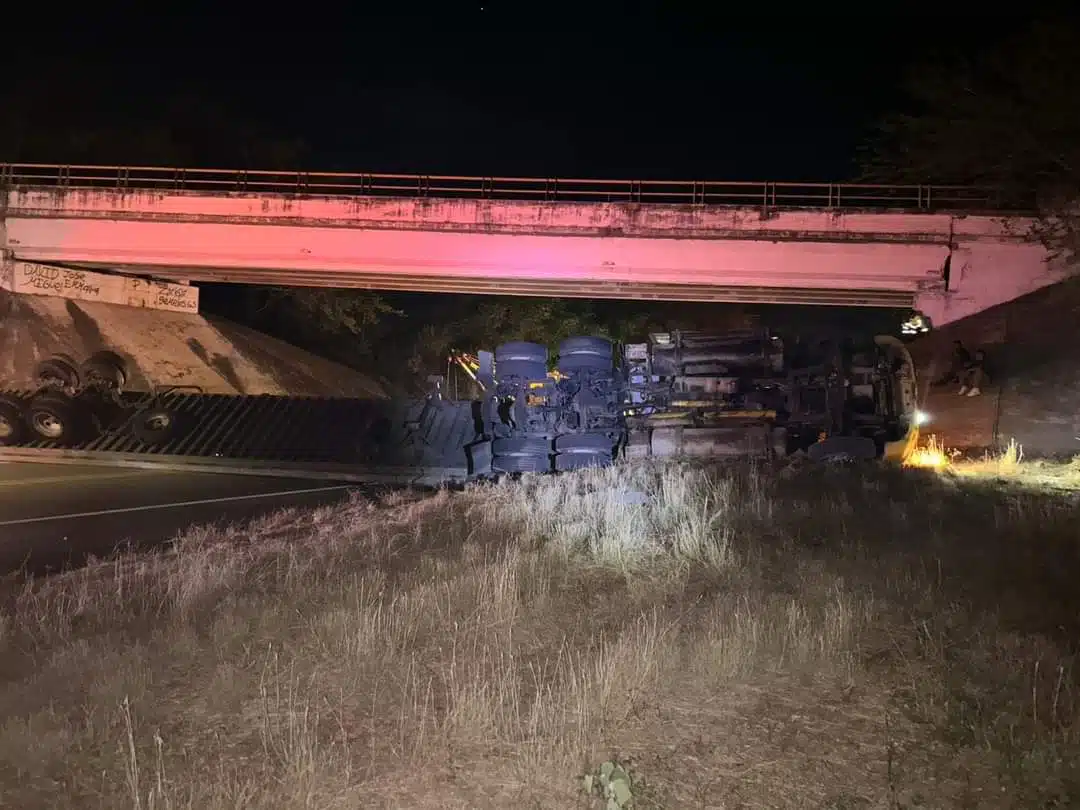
x,y
420,442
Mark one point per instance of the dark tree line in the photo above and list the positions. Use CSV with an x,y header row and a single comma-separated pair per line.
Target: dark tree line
x,y
1007,119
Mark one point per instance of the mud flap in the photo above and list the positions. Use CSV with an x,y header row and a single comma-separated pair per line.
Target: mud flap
x,y
479,456
898,451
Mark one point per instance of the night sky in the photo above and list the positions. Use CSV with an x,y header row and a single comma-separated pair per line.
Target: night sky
x,y
645,90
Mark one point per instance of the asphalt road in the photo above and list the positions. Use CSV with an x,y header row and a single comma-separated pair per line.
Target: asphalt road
x,y
53,516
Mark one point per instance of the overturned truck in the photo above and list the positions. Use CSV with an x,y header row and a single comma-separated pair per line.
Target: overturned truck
x,y
594,402
741,393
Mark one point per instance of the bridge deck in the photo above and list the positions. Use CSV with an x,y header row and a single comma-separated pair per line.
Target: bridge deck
x,y
769,242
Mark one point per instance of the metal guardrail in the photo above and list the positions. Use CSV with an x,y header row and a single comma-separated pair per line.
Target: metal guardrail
x,y
695,192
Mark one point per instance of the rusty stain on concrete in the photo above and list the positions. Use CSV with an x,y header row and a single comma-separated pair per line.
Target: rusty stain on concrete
x,y
670,220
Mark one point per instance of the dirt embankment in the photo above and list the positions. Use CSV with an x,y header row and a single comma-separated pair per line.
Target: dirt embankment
x,y
1033,395
166,348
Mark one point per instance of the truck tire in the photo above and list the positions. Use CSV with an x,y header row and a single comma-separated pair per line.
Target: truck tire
x,y
579,450
58,370
585,354
105,368
522,446
54,417
521,454
521,464
12,421
157,425
522,350
521,359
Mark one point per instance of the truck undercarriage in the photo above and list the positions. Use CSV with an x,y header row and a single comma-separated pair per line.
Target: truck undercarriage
x,y
695,394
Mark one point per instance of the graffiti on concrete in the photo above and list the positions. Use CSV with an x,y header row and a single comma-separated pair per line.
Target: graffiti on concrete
x,y
141,292
58,281
175,297
84,285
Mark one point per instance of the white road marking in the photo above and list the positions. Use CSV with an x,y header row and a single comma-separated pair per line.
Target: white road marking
x,y
67,479
177,505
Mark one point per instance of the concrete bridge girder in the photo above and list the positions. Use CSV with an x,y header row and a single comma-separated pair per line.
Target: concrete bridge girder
x,y
610,250
556,259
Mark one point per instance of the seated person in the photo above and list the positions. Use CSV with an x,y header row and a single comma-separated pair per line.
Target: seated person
x,y
973,375
961,359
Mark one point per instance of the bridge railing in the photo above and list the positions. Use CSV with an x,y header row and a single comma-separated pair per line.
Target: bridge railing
x,y
696,192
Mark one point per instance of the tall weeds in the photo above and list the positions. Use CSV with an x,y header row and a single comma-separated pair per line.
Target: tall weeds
x,y
790,634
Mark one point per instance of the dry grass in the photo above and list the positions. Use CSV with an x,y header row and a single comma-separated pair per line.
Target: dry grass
x,y
1007,465
810,638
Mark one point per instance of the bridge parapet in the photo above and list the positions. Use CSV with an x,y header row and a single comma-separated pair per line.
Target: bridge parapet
x,y
784,212
769,195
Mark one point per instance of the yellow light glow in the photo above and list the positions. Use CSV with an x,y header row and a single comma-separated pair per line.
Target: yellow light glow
x,y
932,455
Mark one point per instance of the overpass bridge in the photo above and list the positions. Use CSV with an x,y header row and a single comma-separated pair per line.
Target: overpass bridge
x,y
946,251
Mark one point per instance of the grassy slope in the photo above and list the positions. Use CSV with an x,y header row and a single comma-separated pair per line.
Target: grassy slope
x,y
819,638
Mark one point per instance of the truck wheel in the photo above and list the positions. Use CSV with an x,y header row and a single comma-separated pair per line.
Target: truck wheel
x,y
105,368
522,446
521,359
58,370
521,454
579,450
54,417
521,464
585,354
522,350
12,421
156,426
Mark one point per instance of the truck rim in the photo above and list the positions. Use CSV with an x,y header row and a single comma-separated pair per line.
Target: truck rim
x,y
48,425
159,421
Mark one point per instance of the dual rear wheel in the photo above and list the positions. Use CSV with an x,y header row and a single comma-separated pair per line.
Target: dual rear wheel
x,y
522,362
101,369
51,416
571,451
74,399
585,356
